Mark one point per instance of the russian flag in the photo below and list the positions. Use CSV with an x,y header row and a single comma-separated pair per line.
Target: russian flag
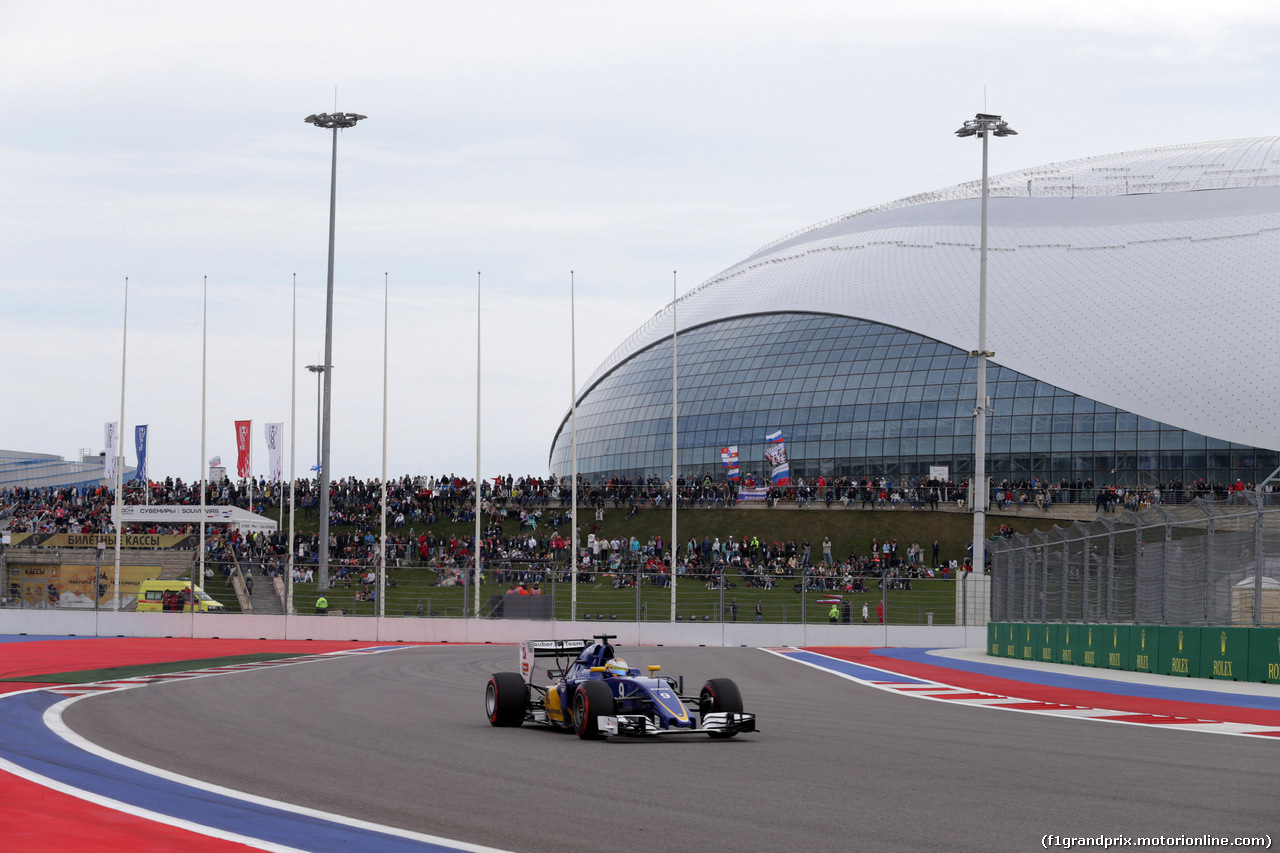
x,y
775,452
729,460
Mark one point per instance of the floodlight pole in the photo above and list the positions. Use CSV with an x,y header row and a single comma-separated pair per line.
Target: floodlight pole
x,y
982,125
573,445
318,370
675,468
335,122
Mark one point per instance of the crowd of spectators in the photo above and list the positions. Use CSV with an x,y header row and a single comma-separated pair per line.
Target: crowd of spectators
x,y
540,549
421,501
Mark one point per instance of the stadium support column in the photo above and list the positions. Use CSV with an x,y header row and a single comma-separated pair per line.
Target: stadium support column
x,y
334,122
983,126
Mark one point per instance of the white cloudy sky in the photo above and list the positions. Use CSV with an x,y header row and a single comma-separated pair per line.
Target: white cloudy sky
x,y
165,142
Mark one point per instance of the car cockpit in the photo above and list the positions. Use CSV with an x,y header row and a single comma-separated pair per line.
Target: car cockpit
x,y
595,655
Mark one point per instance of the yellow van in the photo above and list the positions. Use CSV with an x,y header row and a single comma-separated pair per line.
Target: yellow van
x,y
151,594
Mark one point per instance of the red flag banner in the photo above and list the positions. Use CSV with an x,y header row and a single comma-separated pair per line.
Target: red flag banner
x,y
243,463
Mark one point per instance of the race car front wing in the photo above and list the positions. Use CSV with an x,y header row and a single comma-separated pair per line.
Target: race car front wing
x,y
641,725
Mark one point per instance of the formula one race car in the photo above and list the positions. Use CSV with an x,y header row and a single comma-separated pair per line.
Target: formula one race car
x,y
598,695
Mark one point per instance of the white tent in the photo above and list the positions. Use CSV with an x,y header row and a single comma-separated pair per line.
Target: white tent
x,y
237,518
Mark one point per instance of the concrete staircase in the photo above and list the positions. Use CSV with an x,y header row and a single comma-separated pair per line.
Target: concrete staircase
x,y
262,601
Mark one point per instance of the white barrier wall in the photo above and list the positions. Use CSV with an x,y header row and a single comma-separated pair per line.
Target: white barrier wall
x,y
400,629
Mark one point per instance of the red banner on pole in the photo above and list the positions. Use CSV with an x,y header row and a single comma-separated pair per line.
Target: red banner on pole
x,y
242,448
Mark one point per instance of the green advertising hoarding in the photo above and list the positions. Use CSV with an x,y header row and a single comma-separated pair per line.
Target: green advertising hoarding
x,y
1008,638
1224,653
993,639
1027,635
1070,648
1092,653
1264,655
1046,643
1144,648
1179,651
1115,647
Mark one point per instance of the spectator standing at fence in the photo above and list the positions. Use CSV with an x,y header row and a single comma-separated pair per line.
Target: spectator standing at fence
x,y
733,610
865,614
826,550
880,611
834,613
759,609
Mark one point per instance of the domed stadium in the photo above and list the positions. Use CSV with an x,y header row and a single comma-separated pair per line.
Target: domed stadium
x,y
1132,311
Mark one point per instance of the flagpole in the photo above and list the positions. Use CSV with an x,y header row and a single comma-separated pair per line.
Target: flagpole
x,y
478,480
675,542
382,554
124,353
293,433
573,441
198,584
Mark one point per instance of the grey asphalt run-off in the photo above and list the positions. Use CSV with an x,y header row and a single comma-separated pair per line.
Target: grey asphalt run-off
x,y
401,739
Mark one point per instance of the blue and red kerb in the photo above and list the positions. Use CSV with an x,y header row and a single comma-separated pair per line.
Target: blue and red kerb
x,y
52,820
914,670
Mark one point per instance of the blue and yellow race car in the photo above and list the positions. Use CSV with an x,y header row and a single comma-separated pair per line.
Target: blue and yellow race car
x,y
598,695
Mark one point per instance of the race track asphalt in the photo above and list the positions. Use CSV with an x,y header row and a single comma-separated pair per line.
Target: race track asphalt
x,y
400,738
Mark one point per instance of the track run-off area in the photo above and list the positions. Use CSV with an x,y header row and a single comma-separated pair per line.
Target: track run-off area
x,y
167,744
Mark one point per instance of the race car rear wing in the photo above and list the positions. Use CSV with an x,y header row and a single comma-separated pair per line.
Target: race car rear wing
x,y
531,650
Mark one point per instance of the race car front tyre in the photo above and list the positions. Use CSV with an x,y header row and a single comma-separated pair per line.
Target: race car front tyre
x,y
504,699
719,695
591,701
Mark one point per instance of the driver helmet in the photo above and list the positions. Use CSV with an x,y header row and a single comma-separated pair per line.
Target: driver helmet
x,y
615,667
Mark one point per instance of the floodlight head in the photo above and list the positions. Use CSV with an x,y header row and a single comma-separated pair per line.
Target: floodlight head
x,y
984,123
334,120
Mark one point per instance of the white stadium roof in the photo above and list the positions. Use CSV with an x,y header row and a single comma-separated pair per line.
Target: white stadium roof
x,y
1148,280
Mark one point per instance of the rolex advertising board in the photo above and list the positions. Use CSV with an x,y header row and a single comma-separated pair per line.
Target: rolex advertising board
x,y
1027,636
1264,655
1091,648
1046,643
1180,651
1224,653
1069,645
1115,646
1144,648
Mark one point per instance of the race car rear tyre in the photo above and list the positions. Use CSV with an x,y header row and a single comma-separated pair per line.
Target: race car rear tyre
x,y
504,699
719,695
591,701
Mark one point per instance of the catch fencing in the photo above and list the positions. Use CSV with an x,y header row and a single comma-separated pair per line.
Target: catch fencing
x,y
632,591
1208,562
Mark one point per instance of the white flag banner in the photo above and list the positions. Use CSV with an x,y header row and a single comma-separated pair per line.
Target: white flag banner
x,y
275,456
112,450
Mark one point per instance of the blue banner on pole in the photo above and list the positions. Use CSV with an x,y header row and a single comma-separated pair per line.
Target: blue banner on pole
x,y
140,442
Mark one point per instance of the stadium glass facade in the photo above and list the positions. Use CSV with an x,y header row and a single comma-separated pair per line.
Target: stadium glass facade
x,y
855,398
